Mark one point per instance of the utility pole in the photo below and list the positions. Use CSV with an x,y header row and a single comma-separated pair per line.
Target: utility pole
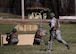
x,y
22,5
75,7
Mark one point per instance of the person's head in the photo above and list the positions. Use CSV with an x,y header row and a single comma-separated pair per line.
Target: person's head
x,y
40,26
51,14
14,30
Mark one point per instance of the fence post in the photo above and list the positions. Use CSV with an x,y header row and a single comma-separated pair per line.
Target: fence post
x,y
1,40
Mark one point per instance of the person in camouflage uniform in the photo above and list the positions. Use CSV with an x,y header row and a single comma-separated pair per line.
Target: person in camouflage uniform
x,y
12,37
55,32
39,36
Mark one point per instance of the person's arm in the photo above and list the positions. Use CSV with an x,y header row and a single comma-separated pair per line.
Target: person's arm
x,y
52,24
8,36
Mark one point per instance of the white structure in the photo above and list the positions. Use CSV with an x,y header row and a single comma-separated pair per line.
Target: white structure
x,y
29,27
23,39
44,15
34,15
31,16
67,17
38,16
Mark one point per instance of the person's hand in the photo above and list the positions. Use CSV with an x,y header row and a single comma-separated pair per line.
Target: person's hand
x,y
55,28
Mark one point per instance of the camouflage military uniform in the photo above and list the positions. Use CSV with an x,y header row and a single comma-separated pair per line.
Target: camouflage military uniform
x,y
39,36
55,33
12,37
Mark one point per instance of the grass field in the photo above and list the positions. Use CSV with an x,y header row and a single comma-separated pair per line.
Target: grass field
x,y
10,15
68,34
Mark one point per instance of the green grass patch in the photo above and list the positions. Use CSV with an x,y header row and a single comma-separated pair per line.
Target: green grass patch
x,y
10,15
6,28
